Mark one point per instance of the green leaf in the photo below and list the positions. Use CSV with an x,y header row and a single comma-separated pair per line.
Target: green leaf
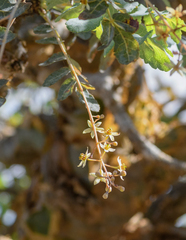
x,y
93,43
10,36
176,23
107,35
127,6
105,62
154,55
42,29
76,25
75,64
4,14
142,34
72,12
6,6
141,39
84,35
87,86
97,9
39,221
115,6
50,40
22,8
99,31
3,82
109,48
66,89
2,101
51,3
93,104
126,47
56,57
121,20
55,76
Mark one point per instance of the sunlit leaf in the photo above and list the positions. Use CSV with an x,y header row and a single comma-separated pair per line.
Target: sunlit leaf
x,y
55,76
153,55
10,36
99,31
56,57
178,25
76,25
66,89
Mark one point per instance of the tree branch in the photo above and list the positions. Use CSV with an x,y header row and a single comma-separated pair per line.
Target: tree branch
x,y
103,84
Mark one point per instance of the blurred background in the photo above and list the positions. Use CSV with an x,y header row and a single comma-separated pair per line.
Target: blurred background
x,y
43,195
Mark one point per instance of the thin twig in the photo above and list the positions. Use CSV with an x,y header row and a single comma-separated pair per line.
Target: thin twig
x,y
10,22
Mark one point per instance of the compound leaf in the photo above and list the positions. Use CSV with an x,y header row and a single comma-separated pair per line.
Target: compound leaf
x,y
42,29
93,104
66,89
10,36
50,40
55,76
56,57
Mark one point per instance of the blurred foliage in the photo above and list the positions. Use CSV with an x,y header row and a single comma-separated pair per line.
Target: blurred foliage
x,y
43,195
